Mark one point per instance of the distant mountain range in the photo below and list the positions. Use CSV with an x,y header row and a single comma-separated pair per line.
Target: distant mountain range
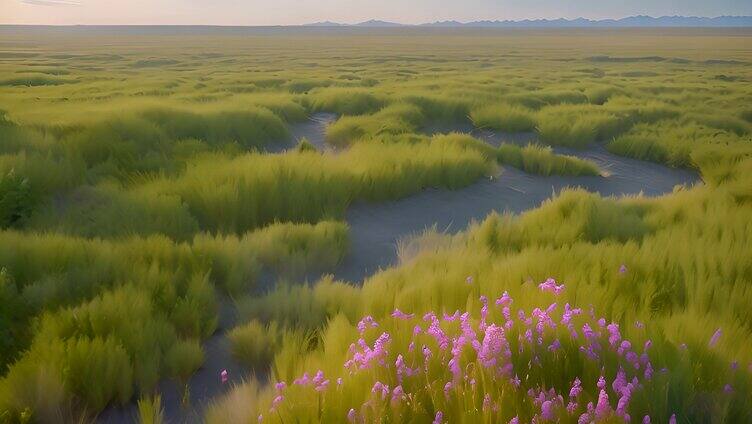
x,y
631,21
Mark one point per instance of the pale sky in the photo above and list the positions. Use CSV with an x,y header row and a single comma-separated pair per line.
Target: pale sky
x,y
292,12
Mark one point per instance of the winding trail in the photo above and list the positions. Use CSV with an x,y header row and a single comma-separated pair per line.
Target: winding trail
x,y
375,230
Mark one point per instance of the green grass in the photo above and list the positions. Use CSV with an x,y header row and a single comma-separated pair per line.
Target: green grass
x,y
183,359
128,304
136,197
506,118
254,344
150,410
541,160
253,190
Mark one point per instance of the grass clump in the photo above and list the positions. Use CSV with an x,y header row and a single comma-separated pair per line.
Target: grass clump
x,y
671,142
574,126
506,118
345,101
254,190
393,120
254,344
305,146
150,410
183,358
541,160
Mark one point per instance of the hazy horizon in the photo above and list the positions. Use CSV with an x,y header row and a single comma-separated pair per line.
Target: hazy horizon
x,y
291,12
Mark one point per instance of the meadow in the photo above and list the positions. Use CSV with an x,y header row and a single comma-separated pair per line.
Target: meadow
x,y
145,194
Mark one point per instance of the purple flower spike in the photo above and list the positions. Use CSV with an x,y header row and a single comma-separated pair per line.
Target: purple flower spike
x,y
623,269
672,420
646,419
515,420
603,408
439,418
276,402
401,315
550,286
547,410
714,339
351,415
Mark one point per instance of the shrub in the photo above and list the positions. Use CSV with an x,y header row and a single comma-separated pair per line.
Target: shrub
x,y
15,309
16,202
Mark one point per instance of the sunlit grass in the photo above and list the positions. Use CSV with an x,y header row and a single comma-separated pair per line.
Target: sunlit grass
x,y
138,194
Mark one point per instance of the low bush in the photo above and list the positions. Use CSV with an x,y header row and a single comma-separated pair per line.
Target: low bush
x,y
16,200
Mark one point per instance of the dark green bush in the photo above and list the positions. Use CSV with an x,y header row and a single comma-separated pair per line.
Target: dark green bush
x,y
16,200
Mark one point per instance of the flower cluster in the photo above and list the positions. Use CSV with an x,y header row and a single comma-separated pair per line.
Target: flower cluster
x,y
496,360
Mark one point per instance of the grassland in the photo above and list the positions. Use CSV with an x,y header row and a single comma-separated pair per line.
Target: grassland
x,y
137,196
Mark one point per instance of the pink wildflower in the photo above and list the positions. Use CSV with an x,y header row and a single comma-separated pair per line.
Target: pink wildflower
x,y
365,323
550,286
439,418
351,415
603,408
398,394
276,402
381,388
504,300
547,412
614,334
303,380
401,315
576,388
715,337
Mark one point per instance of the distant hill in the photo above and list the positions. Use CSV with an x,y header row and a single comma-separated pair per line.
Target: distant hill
x,y
325,24
631,21
378,24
